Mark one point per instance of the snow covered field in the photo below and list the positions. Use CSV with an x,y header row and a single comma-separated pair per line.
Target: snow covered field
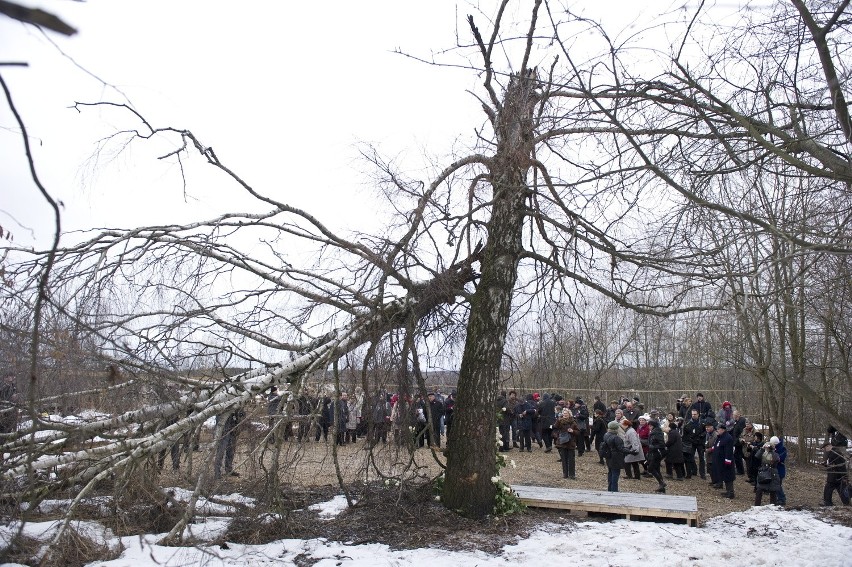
x,y
759,536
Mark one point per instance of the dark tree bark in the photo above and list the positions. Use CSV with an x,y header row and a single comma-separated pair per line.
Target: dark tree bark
x,y
471,459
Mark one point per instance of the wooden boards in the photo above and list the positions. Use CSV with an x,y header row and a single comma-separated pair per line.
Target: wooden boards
x,y
627,504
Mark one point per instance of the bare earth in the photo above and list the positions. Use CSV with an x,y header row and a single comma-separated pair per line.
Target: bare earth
x,y
408,516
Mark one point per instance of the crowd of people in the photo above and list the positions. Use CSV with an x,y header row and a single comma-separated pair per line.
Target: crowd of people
x,y
377,418
691,441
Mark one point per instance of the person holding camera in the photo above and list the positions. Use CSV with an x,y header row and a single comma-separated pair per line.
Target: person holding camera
x,y
836,476
768,479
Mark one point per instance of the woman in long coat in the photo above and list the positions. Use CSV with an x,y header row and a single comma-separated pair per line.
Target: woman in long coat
x,y
676,458
565,438
631,440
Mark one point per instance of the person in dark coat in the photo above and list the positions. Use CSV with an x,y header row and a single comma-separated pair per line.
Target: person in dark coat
x,y
723,459
581,415
526,413
449,410
835,466
739,426
9,399
617,451
836,438
768,479
547,417
536,421
778,444
753,461
703,407
710,435
229,424
598,432
609,415
599,405
380,412
325,418
512,404
504,423
656,452
273,405
341,416
693,436
436,409
675,458
566,438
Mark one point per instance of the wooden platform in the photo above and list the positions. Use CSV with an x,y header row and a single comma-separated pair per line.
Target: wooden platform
x,y
628,504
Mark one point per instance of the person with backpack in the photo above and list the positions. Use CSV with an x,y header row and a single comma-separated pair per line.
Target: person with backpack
x,y
836,475
613,450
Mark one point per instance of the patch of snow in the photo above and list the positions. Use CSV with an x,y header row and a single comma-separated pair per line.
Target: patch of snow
x,y
331,508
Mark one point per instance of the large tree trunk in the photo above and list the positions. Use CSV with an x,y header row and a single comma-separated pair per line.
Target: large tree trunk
x,y
471,455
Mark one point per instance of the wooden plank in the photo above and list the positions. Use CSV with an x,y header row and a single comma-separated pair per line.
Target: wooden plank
x,y
624,503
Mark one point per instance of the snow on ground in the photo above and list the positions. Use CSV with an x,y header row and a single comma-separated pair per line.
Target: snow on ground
x,y
760,536
331,508
220,505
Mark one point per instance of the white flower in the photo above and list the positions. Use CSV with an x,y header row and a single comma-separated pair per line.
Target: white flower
x,y
506,488
495,479
437,498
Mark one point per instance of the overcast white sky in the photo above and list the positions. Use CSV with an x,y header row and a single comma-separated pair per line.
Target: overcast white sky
x,y
283,91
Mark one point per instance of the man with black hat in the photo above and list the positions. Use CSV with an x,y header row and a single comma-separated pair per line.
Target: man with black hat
x,y
723,460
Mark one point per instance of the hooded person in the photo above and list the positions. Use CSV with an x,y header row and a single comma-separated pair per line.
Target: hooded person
x,y
726,416
613,450
778,444
836,438
767,474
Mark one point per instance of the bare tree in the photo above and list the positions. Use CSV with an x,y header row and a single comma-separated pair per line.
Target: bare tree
x,y
586,176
